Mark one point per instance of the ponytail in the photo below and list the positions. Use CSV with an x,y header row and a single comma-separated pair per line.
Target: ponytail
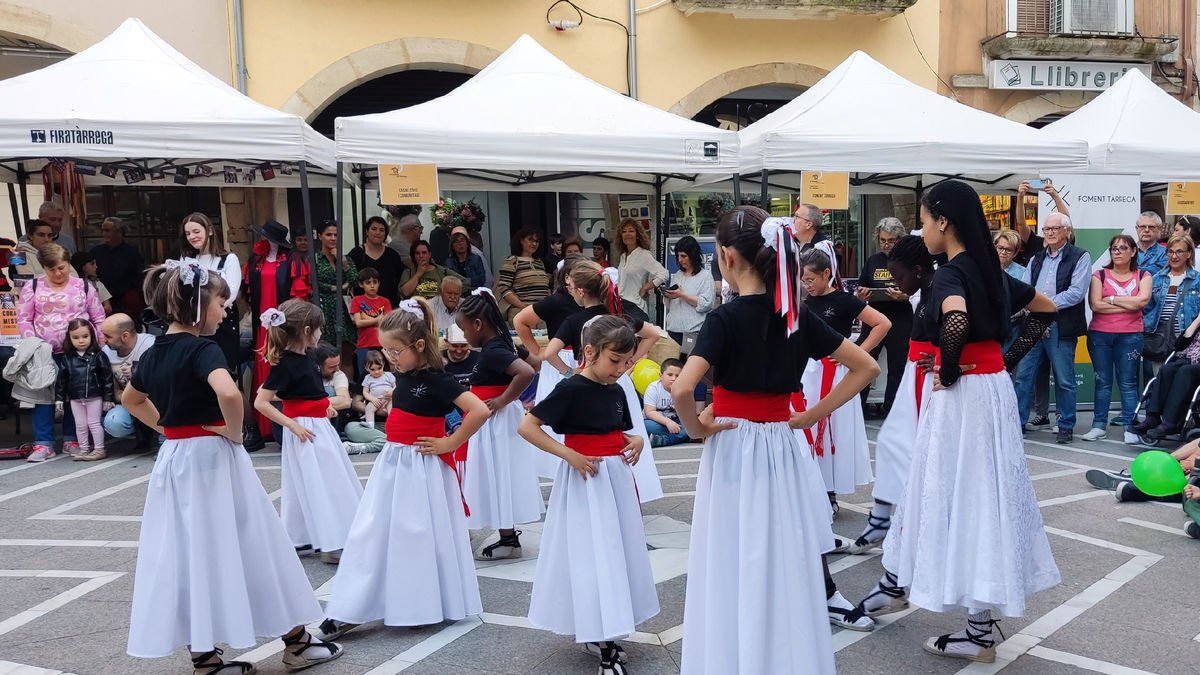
x,y
481,305
288,326
769,246
410,322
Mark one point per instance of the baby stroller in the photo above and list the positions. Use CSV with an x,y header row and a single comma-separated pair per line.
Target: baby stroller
x,y
1189,426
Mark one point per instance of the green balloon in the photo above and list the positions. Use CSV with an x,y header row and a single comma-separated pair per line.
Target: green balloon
x,y
1158,474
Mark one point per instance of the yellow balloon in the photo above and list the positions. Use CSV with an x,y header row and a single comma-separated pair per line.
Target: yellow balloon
x,y
645,371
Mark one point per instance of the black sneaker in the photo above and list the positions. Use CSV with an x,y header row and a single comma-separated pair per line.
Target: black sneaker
x,y
1128,492
1064,436
1117,422
1106,480
1192,529
1039,423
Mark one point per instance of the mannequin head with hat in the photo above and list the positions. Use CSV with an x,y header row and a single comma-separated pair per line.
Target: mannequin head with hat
x,y
274,233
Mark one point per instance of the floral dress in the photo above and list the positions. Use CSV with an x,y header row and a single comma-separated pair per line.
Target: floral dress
x,y
330,298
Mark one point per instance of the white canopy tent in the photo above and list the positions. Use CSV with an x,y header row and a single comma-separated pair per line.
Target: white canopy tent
x,y
895,135
1136,128
528,121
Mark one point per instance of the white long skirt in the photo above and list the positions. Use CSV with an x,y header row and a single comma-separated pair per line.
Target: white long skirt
x,y
548,379
408,557
214,563
894,444
755,590
320,488
814,486
649,487
846,459
968,532
593,577
499,479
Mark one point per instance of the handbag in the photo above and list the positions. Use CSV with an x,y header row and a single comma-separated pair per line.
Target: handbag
x,y
1159,343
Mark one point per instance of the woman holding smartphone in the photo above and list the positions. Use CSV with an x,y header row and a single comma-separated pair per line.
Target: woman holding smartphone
x,y
878,289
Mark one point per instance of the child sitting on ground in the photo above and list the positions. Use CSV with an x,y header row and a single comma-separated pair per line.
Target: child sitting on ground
x,y
377,387
662,423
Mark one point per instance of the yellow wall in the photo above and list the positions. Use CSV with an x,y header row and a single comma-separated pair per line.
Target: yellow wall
x,y
292,42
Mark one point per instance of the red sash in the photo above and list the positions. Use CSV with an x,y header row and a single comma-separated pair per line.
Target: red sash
x,y
484,392
299,408
190,431
828,372
985,356
405,428
916,350
800,405
596,445
751,406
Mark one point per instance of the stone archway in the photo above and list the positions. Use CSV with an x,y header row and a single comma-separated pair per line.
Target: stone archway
x,y
1043,104
798,74
45,28
383,59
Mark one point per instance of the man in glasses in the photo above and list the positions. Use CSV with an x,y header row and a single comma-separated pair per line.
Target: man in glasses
x,y
1151,255
1062,272
807,220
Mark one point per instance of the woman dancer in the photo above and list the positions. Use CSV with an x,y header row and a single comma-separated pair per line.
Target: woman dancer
x,y
500,482
756,606
969,533
407,559
593,576
911,267
320,487
205,499
595,290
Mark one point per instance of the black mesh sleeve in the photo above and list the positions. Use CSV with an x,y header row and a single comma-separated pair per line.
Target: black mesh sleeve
x,y
1035,327
953,336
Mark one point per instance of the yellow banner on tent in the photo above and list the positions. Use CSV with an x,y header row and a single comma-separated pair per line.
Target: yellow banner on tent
x,y
408,184
826,189
1183,197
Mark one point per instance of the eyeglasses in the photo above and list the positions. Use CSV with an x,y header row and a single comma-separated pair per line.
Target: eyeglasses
x,y
888,242
1178,252
1005,249
395,353
1053,228
1147,227
1119,249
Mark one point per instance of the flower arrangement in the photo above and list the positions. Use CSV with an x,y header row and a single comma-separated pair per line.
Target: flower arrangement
x,y
448,214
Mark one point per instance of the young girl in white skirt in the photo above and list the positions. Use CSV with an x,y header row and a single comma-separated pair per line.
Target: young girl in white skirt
x,y
968,532
552,310
593,577
408,559
500,481
911,267
840,440
755,597
214,563
595,290
320,487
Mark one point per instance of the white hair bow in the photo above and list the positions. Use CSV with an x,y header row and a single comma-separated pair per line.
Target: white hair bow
x,y
192,273
272,318
412,307
484,290
612,274
777,233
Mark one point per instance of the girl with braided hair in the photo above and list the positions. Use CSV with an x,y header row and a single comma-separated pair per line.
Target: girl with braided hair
x,y
968,530
500,482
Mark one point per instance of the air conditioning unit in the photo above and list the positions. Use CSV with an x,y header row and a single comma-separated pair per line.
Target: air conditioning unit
x,y
1109,17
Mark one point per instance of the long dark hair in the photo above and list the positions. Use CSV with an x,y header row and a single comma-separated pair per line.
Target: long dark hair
x,y
1133,248
741,230
215,245
959,204
688,246
527,231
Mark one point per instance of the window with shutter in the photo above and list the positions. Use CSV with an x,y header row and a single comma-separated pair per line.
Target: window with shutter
x,y
1033,16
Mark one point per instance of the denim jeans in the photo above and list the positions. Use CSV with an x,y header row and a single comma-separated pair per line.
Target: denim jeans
x,y
1120,353
700,393
655,429
43,424
118,423
1061,354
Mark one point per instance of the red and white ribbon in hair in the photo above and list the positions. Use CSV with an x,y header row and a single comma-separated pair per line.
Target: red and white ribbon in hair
x,y
778,233
827,247
614,291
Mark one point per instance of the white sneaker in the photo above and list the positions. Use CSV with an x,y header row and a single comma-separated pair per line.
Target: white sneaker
x,y
1132,438
1094,435
355,448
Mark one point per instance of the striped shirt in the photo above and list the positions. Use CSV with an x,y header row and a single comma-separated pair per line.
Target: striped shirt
x,y
526,277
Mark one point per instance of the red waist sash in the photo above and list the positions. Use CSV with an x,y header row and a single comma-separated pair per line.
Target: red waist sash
x,y
299,408
596,445
484,392
751,406
800,405
985,356
824,427
405,428
916,351
190,431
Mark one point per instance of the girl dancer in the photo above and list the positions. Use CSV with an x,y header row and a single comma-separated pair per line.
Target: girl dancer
x,y
754,585
408,557
320,488
85,380
500,482
969,533
912,268
204,499
840,440
593,576
595,290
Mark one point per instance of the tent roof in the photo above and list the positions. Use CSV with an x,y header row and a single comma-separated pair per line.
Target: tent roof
x,y
864,117
527,115
133,97
1136,127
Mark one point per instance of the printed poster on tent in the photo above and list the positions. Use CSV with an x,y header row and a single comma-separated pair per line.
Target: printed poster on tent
x,y
408,184
9,335
1096,201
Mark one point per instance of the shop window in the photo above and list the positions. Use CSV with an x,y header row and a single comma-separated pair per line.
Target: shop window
x,y
152,216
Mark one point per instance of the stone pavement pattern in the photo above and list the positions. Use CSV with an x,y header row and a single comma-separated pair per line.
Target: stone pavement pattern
x,y
1129,603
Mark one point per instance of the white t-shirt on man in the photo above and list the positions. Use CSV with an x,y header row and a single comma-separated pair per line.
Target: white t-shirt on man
x,y
119,363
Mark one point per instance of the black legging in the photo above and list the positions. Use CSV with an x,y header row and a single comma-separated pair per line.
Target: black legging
x,y
1172,392
896,342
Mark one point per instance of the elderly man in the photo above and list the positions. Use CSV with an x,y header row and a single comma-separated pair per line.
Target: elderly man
x,y
409,228
1062,272
120,266
876,286
807,219
1151,255
124,347
445,304
52,213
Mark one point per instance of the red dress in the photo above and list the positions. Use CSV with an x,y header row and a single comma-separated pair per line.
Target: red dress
x,y
265,285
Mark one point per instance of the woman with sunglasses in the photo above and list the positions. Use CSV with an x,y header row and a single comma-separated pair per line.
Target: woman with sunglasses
x,y
1119,291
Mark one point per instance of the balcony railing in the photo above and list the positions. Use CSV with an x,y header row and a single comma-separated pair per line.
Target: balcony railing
x,y
796,9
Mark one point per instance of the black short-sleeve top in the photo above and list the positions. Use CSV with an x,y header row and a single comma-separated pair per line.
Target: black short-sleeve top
x,y
295,378
554,309
174,375
744,341
461,370
426,392
571,331
581,406
925,324
492,367
961,277
839,309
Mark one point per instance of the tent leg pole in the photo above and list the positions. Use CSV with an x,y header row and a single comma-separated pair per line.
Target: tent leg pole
x,y
764,192
353,213
308,227
22,179
12,203
737,190
661,233
338,200
363,205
